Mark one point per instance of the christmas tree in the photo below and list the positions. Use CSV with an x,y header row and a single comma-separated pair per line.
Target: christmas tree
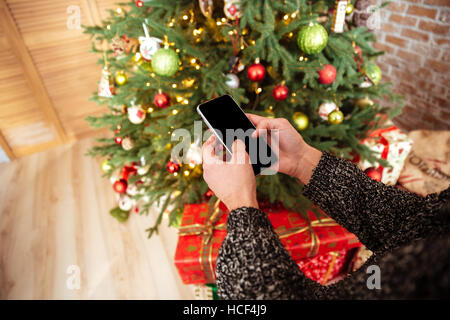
x,y
310,62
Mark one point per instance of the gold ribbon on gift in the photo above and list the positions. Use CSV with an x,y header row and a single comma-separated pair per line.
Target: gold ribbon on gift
x,y
315,241
206,230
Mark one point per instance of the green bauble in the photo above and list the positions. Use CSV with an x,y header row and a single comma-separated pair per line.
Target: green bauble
x,y
165,62
312,39
373,72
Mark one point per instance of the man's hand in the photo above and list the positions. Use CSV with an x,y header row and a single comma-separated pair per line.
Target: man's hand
x,y
232,181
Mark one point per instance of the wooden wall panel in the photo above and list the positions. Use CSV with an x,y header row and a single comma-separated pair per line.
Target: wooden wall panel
x,y
68,73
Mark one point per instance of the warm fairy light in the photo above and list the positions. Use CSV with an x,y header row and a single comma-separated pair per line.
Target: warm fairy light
x,y
294,94
252,42
137,57
192,165
293,15
108,27
258,90
185,101
230,32
174,85
242,47
224,20
177,50
311,23
179,98
174,112
186,173
193,60
197,67
270,107
170,24
286,16
244,31
150,110
119,10
219,23
185,17
175,174
290,34
301,58
148,84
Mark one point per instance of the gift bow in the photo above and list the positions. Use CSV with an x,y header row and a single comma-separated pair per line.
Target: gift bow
x,y
315,241
206,231
379,134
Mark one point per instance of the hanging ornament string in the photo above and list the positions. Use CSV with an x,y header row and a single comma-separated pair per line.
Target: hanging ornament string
x,y
235,37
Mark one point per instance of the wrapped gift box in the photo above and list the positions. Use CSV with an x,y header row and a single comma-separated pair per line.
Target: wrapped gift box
x,y
203,230
393,146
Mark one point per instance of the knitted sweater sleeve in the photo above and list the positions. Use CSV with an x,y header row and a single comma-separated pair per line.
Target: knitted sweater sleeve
x,y
382,217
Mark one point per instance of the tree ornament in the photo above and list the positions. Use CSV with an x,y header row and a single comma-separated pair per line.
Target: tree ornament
x,y
209,194
143,170
106,85
132,190
120,186
339,17
173,167
139,3
119,46
312,39
149,45
161,100
231,9
232,81
364,102
328,74
121,78
280,92
326,108
136,114
256,72
127,171
118,140
349,8
125,202
106,167
335,117
301,120
373,72
127,144
366,83
206,7
165,62
373,173
236,65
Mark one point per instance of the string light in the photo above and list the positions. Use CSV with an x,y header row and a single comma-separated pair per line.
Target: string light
x,y
192,165
119,10
174,85
293,15
197,67
174,112
108,27
186,173
286,16
301,58
258,90
175,174
185,17
150,110
148,84
186,101
179,98
219,23
193,60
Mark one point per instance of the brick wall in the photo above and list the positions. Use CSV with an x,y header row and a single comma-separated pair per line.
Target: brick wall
x,y
415,34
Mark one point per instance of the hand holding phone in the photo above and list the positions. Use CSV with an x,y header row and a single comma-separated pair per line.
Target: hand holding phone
x,y
228,122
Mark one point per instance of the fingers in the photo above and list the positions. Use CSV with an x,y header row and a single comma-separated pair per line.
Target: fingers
x,y
264,126
254,118
239,153
208,153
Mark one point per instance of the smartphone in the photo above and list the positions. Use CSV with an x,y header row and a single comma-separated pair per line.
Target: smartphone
x,y
228,122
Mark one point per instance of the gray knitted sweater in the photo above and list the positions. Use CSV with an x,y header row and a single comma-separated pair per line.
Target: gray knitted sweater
x,y
408,234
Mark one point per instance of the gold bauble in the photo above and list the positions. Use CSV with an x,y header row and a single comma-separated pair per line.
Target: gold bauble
x,y
349,8
127,144
335,117
301,120
121,78
106,167
364,102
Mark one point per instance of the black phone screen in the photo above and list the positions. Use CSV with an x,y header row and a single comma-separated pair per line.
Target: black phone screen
x,y
229,122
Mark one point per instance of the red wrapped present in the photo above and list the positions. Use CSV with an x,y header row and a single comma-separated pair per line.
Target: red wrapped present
x,y
327,267
201,235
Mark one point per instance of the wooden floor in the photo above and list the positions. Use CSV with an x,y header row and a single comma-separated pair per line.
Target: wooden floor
x,y
54,214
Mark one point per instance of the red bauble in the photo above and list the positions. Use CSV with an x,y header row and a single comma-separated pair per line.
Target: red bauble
x,y
209,194
120,186
139,3
373,173
173,167
328,74
161,100
256,72
118,140
280,92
